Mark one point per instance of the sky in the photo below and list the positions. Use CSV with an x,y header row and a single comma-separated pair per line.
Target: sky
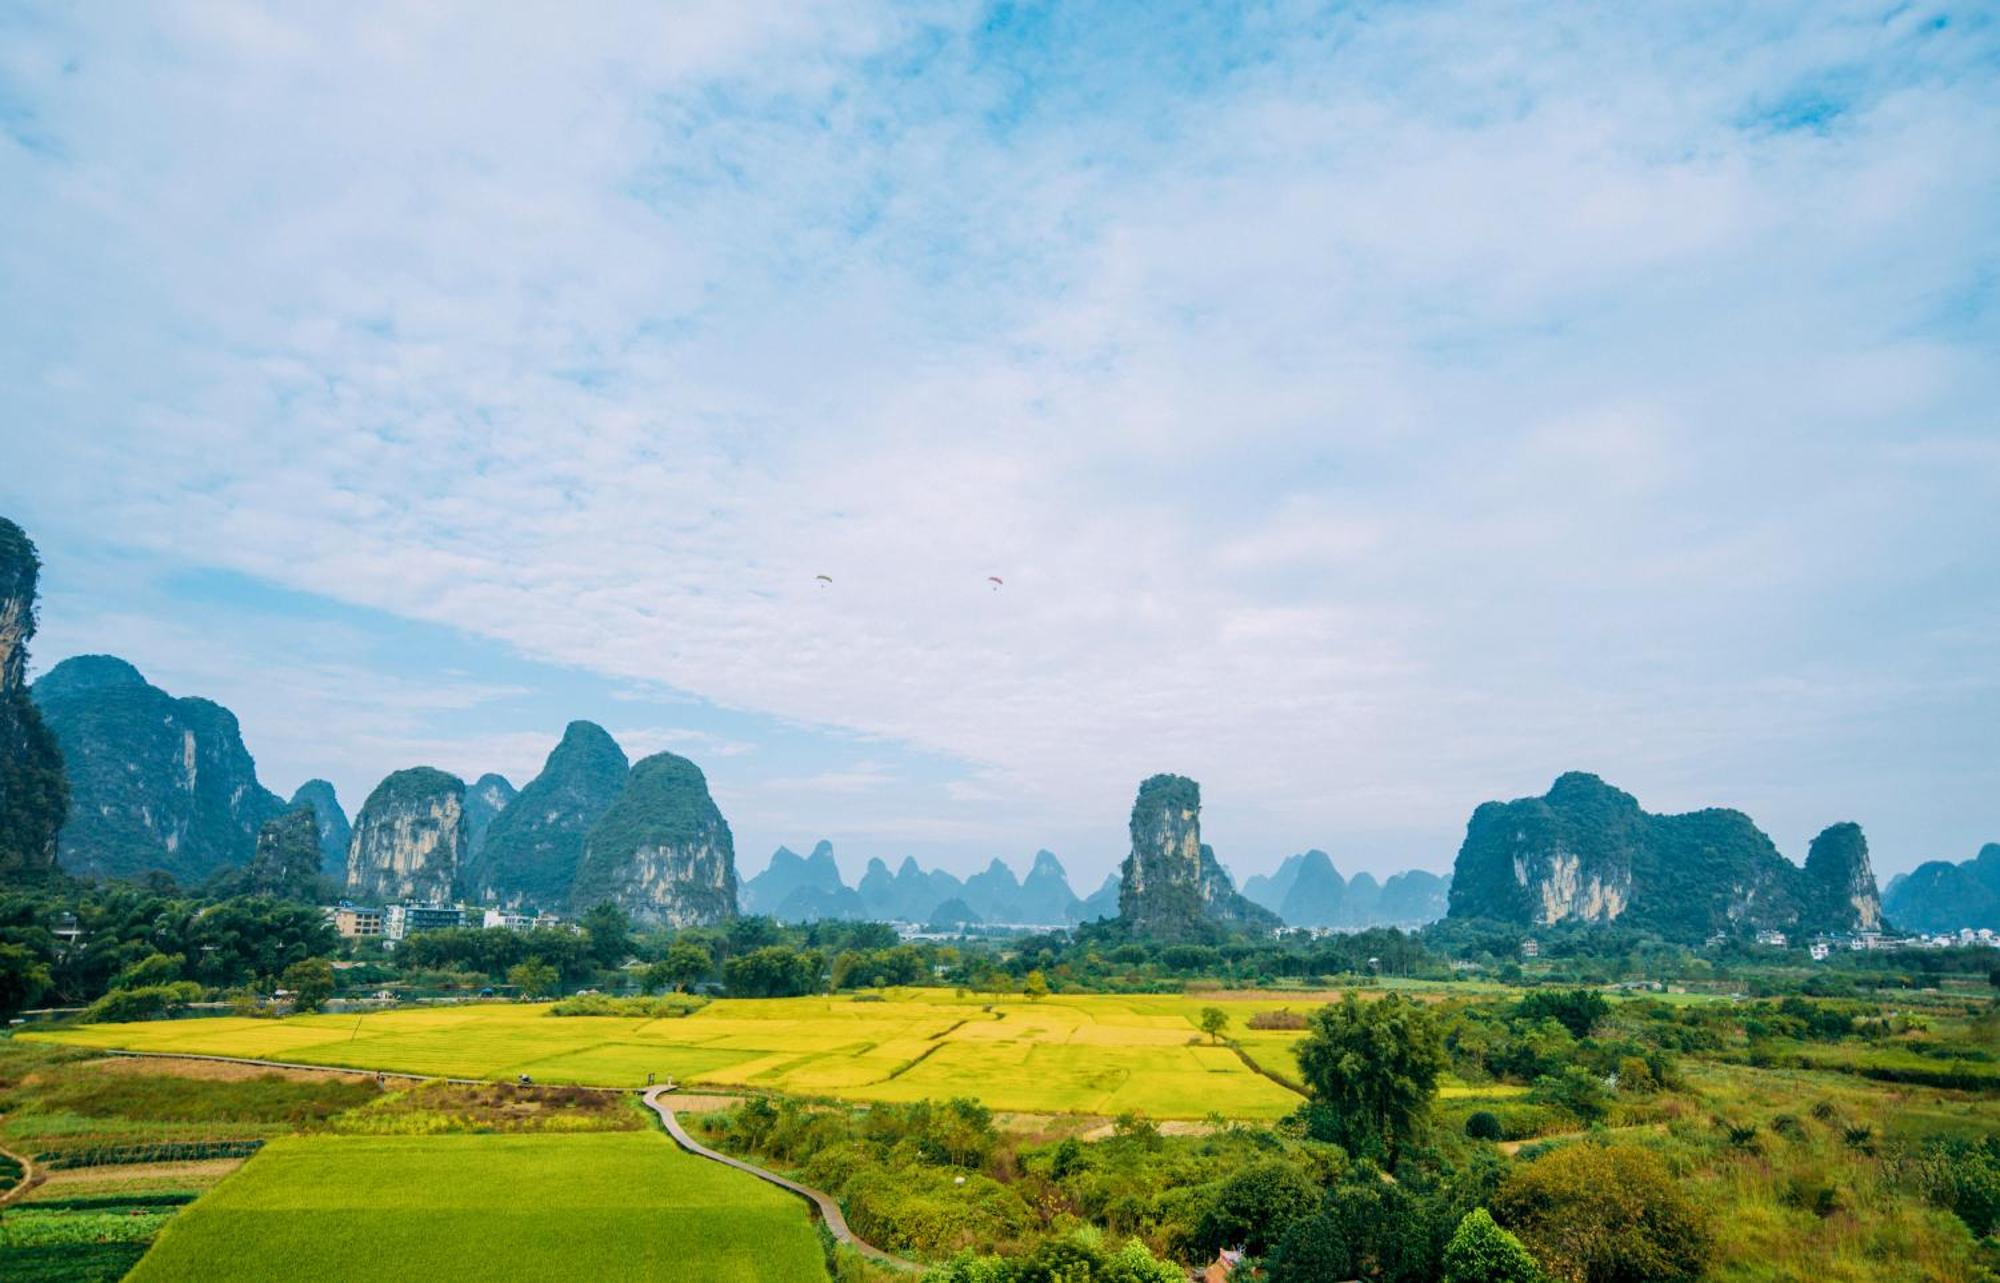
x,y
1370,409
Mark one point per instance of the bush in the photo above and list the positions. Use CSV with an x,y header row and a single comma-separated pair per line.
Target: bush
x,y
666,1006
1606,1215
142,1003
1255,1207
1483,1124
1481,1252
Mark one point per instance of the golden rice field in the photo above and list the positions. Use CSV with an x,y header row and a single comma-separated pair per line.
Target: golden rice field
x,y
1086,1054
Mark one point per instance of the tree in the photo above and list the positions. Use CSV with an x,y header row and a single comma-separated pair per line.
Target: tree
x,y
1036,986
685,964
1481,1252
1578,1010
609,930
774,971
23,978
1575,1089
1367,1229
1213,1021
533,977
1596,1214
1374,1068
153,969
311,983
1255,1207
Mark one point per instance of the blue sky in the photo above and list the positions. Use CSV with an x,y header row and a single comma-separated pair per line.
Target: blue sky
x,y
1372,409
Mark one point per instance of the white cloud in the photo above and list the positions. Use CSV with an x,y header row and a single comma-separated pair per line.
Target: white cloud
x,y
1439,403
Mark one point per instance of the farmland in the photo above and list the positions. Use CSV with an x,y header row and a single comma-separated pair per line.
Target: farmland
x,y
1085,1054
607,1205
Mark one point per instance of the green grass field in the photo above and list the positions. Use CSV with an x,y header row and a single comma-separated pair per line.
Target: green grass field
x,y
608,1206
1092,1054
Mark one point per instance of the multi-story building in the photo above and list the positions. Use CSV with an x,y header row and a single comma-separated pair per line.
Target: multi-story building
x,y
400,920
353,923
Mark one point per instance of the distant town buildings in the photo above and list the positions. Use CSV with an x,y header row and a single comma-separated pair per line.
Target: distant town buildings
x,y
355,923
396,921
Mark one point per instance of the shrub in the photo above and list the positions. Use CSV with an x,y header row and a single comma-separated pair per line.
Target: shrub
x,y
1481,1252
1283,1018
1255,1207
142,1003
1593,1214
666,1006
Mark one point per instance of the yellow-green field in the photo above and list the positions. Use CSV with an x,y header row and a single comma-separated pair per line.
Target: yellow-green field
x,y
1090,1054
615,1206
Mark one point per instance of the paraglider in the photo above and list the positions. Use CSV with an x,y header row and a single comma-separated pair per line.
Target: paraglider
x,y
825,579
996,581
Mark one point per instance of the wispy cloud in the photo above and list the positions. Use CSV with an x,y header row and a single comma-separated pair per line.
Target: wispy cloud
x,y
1368,413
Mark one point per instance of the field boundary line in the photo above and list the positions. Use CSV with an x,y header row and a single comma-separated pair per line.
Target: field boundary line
x,y
829,1211
1255,1068
337,1069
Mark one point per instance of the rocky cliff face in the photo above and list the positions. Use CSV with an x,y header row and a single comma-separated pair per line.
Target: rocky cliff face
x,y
663,852
1171,886
534,846
489,795
287,860
1941,896
1840,890
1586,852
34,793
156,783
409,840
334,830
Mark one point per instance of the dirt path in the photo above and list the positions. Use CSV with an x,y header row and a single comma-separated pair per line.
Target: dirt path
x,y
829,1211
29,1177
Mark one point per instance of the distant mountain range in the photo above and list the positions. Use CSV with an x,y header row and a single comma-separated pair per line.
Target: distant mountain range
x,y
1307,891
795,888
1941,896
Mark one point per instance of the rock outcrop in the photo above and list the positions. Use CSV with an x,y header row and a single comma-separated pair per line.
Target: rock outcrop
x,y
409,840
534,846
1586,852
486,797
1171,886
334,830
1840,890
34,792
663,852
287,860
1941,896
156,783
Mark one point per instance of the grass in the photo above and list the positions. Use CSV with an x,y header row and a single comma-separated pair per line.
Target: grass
x,y
1086,1054
442,1208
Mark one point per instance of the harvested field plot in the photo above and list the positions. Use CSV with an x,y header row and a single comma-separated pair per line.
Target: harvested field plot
x,y
442,1208
1087,1054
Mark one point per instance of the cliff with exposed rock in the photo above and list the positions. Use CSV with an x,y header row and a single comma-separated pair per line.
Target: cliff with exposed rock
x,y
409,839
663,852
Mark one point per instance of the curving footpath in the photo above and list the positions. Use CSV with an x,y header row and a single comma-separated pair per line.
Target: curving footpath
x,y
829,1211
29,1177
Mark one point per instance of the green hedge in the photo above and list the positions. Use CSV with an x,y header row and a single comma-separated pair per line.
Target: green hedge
x,y
178,1151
